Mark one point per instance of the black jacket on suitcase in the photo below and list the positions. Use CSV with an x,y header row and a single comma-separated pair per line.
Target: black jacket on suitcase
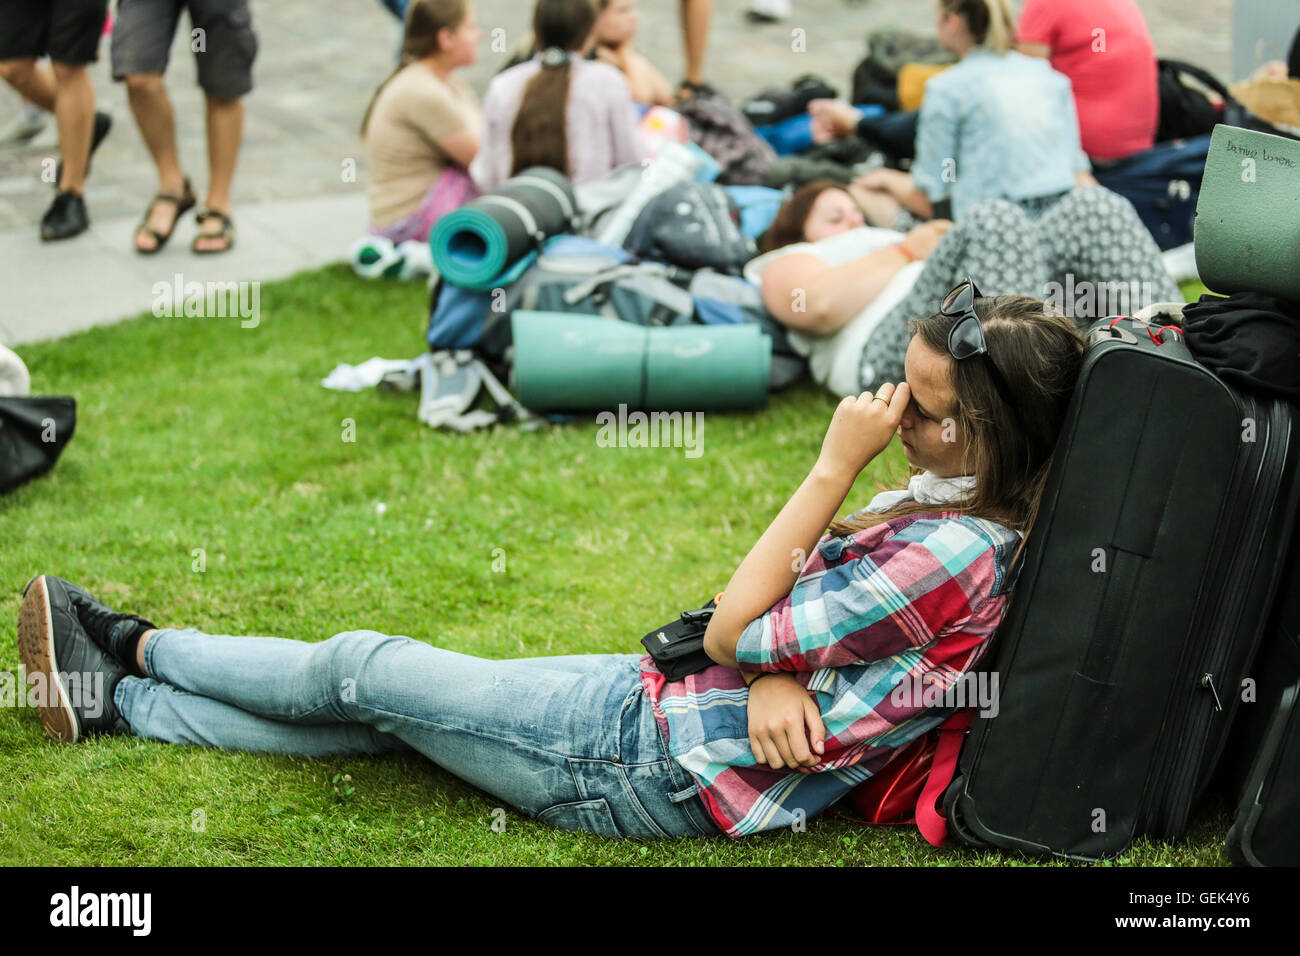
x,y
1144,594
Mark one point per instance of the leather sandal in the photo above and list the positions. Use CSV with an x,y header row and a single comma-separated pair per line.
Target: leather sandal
x,y
183,204
227,231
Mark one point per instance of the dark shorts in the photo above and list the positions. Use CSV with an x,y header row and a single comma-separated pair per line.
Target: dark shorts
x,y
67,31
221,36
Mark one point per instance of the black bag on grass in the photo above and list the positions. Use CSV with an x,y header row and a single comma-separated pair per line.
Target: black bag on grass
x,y
33,433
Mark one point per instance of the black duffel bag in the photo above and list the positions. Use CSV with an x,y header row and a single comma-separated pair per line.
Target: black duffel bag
x,y
33,433
1186,112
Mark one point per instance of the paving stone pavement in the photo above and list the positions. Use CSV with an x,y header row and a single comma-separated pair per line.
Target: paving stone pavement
x,y
317,66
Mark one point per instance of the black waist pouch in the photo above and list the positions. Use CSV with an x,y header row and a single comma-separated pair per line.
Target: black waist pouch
x,y
678,647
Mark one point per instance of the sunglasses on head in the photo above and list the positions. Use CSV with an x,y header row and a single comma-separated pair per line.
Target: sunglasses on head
x,y
966,338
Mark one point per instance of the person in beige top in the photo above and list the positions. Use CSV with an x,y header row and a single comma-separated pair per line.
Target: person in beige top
x,y
424,125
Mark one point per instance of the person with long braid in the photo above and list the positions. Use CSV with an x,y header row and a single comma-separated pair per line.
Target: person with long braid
x,y
558,109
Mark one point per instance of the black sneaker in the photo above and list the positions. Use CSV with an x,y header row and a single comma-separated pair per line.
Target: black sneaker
x,y
103,123
112,631
66,217
78,677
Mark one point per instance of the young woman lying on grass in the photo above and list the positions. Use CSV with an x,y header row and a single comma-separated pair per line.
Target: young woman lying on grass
x,y
847,290
795,712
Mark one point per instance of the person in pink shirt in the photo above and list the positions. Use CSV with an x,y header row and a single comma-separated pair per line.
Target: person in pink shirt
x,y
558,109
1105,49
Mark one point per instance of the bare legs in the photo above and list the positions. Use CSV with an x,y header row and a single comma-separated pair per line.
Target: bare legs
x,y
153,115
156,119
139,649
64,90
225,129
695,17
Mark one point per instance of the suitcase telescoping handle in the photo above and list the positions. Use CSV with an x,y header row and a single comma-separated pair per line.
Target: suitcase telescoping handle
x,y
1157,335
1113,331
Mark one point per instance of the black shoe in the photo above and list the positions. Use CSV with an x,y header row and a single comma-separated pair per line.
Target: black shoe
x,y
103,123
78,678
112,631
65,218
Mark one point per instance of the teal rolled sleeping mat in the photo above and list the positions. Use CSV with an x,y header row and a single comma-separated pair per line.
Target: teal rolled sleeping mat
x,y
477,246
570,362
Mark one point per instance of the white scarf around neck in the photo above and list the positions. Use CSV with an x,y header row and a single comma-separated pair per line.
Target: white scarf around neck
x,y
927,488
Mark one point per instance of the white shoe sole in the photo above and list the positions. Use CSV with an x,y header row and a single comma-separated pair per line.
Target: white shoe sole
x,y
36,648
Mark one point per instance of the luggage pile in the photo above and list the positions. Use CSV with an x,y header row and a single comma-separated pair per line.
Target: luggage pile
x,y
531,273
1150,654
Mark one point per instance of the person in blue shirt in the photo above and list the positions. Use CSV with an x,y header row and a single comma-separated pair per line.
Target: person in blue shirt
x,y
997,125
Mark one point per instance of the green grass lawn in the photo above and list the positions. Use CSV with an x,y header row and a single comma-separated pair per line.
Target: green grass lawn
x,y
199,434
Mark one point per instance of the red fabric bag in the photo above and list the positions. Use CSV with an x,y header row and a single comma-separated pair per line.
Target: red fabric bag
x,y
907,789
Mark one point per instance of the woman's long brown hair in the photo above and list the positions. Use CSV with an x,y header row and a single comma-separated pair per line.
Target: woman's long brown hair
x,y
424,19
1039,353
539,136
788,226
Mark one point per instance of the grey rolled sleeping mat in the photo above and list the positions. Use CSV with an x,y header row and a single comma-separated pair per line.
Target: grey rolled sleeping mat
x,y
476,245
1247,231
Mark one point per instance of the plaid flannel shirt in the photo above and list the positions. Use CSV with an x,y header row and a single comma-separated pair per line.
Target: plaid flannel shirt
x,y
917,595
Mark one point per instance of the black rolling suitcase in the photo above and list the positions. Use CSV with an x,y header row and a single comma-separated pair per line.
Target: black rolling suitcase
x,y
1139,609
1266,743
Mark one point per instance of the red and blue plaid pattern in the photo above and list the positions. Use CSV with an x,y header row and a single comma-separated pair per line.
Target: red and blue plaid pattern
x,y
918,595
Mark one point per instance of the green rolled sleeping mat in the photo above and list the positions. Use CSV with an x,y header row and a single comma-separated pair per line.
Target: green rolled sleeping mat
x,y
1247,231
568,362
476,245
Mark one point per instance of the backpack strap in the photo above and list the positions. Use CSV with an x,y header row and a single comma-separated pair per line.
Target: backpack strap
x,y
928,819
451,382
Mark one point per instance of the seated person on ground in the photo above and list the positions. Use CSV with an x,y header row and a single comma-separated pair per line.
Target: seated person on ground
x,y
559,109
615,34
423,125
1105,49
997,125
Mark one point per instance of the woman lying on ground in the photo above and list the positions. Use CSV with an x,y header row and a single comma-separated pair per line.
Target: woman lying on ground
x,y
558,109
423,125
794,714
846,290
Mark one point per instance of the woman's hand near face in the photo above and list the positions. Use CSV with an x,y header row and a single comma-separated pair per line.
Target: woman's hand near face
x,y
861,429
921,240
785,724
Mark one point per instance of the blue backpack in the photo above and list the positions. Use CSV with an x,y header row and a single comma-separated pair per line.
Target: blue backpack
x,y
1163,184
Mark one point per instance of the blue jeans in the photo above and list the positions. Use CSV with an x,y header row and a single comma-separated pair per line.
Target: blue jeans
x,y
570,741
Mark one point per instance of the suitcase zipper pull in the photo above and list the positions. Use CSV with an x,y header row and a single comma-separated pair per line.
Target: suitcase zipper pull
x,y
1208,681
